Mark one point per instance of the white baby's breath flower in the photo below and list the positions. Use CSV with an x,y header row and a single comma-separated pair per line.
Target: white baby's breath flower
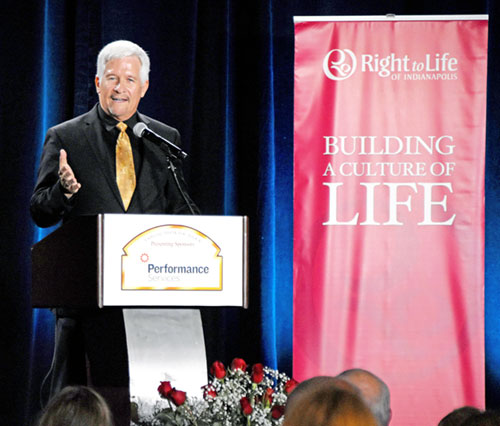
x,y
224,409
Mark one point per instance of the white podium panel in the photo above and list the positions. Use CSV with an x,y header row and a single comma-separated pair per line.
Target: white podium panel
x,y
165,345
173,260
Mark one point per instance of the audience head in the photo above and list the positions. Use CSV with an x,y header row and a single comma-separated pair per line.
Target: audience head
x,y
305,387
486,418
77,406
325,404
374,392
457,417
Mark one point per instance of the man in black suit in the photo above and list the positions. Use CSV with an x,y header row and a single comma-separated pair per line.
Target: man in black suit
x,y
90,166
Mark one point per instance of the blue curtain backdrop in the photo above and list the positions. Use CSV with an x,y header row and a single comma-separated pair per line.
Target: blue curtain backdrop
x,y
222,73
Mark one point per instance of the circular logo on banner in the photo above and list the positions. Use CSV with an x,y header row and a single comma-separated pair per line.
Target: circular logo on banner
x,y
339,64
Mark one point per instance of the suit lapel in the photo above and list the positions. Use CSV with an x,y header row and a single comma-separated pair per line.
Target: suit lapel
x,y
93,134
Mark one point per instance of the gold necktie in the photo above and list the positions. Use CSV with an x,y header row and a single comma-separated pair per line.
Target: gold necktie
x,y
125,172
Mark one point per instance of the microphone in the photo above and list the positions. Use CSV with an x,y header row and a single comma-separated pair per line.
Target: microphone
x,y
141,130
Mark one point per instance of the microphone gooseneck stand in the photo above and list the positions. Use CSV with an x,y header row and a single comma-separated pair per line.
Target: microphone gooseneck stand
x,y
171,166
141,130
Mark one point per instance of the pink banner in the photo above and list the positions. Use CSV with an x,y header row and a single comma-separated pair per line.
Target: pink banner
x,y
389,208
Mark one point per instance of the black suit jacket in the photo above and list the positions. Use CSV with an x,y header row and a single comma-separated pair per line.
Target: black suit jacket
x,y
81,137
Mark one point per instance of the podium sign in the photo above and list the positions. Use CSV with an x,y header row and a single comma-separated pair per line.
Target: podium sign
x,y
174,260
143,260
171,257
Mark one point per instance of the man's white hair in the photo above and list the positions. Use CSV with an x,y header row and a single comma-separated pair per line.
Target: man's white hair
x,y
121,49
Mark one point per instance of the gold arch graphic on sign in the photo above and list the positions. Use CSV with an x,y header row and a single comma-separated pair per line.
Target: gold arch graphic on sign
x,y
156,228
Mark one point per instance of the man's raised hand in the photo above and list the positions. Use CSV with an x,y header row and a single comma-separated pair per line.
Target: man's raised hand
x,y
66,175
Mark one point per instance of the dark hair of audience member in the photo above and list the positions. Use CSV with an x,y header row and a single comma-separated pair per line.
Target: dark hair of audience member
x,y
458,416
329,406
486,418
77,406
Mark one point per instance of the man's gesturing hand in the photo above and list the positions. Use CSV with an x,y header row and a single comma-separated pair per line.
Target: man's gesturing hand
x,y
66,176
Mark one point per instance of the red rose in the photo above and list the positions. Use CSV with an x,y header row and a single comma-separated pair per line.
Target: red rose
x,y
277,411
177,397
290,385
258,368
238,364
257,377
164,389
209,391
257,373
267,398
246,406
218,370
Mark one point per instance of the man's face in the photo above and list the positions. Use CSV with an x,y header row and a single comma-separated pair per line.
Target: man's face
x,y
121,89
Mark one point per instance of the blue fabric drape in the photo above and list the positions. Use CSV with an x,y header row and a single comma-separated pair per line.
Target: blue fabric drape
x,y
222,73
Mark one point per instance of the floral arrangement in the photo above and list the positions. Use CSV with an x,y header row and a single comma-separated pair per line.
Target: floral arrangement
x,y
236,395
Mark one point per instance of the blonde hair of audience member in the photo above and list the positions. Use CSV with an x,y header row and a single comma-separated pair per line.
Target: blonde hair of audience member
x,y
77,406
329,406
374,392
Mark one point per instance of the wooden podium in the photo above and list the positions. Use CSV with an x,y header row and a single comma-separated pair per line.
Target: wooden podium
x,y
145,263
